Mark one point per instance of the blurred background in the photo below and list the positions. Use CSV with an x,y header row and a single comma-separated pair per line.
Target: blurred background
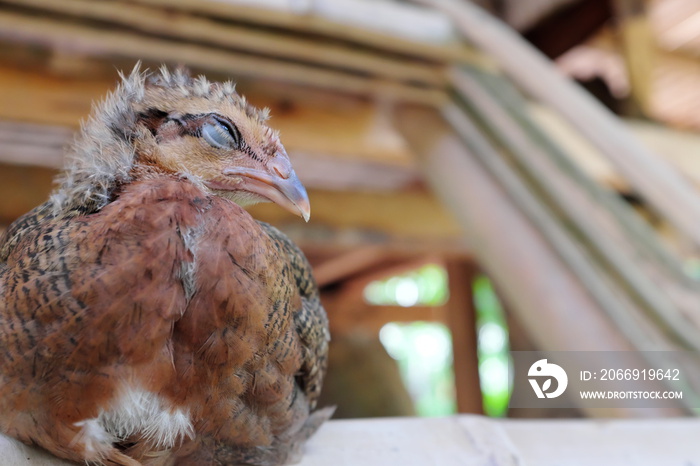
x,y
466,200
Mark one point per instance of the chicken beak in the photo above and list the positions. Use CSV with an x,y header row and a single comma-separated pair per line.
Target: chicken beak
x,y
295,200
278,183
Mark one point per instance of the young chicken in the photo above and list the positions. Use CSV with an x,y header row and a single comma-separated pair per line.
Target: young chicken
x,y
145,317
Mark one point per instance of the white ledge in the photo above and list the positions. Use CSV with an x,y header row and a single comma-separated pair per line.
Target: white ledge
x,y
475,440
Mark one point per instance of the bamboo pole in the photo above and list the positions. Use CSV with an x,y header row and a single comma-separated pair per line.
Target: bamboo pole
x,y
642,235
546,294
637,329
617,259
559,241
665,189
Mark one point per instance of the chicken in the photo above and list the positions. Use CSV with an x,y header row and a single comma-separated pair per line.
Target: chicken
x,y
145,317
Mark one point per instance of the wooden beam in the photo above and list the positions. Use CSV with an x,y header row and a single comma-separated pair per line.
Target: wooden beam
x,y
312,122
336,142
33,144
348,310
461,318
371,319
399,221
678,147
373,27
348,264
412,214
91,41
44,146
159,21
21,189
36,96
638,49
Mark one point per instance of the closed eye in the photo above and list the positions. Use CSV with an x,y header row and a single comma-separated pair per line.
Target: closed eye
x,y
221,134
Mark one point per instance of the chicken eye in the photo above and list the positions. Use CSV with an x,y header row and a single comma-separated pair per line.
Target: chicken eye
x,y
221,135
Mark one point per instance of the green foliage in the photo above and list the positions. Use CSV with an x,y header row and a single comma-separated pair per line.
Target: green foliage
x,y
424,353
493,349
424,350
426,286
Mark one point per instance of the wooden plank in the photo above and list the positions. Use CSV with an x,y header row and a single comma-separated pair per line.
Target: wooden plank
x,y
371,318
38,97
400,265
152,21
349,311
22,188
638,49
346,264
311,18
676,146
461,318
335,173
33,145
321,128
105,42
412,214
398,221
45,145
312,122
320,239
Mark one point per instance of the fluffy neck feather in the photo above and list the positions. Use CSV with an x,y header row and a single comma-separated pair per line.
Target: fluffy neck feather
x,y
102,154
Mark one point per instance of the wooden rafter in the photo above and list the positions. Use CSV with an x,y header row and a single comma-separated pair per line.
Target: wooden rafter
x,y
344,20
371,318
461,319
157,21
350,263
639,50
81,39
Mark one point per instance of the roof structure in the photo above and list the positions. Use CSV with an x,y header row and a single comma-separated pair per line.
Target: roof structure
x,y
418,129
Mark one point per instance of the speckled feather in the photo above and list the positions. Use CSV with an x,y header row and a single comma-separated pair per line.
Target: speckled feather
x,y
157,286
244,354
